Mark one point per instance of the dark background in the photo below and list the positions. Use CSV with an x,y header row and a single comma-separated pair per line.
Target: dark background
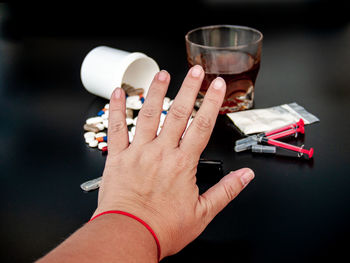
x,y
295,210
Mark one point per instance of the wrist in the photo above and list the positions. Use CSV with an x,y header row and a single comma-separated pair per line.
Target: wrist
x,y
143,211
140,227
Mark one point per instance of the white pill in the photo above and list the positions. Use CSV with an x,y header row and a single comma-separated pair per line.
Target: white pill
x,y
100,126
107,106
104,116
89,135
105,123
128,105
162,119
133,102
166,106
134,121
134,105
166,103
129,121
94,120
188,124
89,139
101,134
131,137
101,145
158,131
133,130
93,143
133,98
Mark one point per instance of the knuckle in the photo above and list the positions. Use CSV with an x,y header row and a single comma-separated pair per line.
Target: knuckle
x,y
181,161
180,112
230,191
157,89
158,156
152,154
187,158
191,84
148,112
117,126
116,107
203,123
186,162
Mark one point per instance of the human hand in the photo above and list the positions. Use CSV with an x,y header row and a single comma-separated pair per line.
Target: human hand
x,y
154,177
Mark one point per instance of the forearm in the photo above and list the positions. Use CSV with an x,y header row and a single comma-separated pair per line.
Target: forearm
x,y
108,238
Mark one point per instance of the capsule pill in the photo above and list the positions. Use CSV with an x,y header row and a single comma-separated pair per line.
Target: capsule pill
x,y
102,139
104,149
100,113
101,145
101,134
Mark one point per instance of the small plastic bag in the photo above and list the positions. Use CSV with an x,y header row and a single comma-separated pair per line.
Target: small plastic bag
x,y
262,120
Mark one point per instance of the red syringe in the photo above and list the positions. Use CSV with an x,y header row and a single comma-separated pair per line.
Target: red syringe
x,y
287,146
290,127
286,133
247,143
300,123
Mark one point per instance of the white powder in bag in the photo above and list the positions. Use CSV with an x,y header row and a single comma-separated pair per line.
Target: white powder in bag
x,y
262,120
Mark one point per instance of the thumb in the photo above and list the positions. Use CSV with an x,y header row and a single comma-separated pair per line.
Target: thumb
x,y
219,195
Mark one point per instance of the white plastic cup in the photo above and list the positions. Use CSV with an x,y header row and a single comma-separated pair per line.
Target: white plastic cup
x,y
105,69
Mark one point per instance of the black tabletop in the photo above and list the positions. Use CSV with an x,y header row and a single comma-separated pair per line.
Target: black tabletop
x,y
295,210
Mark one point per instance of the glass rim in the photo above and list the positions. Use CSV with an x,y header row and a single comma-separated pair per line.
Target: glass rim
x,y
225,26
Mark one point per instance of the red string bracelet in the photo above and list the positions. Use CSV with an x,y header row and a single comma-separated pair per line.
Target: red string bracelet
x,y
136,218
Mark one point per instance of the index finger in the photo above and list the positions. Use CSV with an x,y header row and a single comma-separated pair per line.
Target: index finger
x,y
197,136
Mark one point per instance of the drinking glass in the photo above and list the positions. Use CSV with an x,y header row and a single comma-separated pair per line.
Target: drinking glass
x,y
231,52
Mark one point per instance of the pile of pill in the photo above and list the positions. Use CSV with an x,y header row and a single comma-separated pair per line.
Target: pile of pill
x,y
96,127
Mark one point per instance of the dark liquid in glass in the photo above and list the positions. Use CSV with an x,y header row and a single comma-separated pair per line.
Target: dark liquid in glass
x,y
238,69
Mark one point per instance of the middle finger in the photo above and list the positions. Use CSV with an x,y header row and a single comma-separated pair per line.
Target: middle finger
x,y
148,118
176,120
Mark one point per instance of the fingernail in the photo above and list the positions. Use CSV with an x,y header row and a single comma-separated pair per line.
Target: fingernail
x,y
246,177
117,93
218,83
162,75
196,71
